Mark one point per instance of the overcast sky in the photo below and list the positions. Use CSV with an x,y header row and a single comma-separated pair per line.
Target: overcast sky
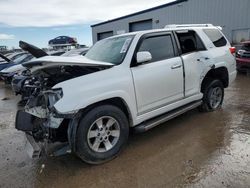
x,y
25,18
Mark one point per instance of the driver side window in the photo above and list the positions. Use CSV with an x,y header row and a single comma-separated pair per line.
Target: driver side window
x,y
160,47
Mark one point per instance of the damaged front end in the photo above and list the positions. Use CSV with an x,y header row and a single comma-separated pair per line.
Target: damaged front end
x,y
39,119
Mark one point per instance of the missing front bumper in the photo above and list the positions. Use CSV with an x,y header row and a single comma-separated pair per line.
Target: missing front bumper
x,y
32,147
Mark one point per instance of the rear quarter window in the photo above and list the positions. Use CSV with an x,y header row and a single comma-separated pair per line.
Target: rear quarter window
x,y
216,37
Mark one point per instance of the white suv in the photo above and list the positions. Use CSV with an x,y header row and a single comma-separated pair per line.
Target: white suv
x,y
136,80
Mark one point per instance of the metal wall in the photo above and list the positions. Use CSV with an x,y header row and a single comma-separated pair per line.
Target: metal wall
x,y
230,14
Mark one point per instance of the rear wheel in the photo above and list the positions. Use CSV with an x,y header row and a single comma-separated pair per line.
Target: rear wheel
x,y
101,134
213,96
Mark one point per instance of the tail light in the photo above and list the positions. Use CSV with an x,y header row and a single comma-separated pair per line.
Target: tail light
x,y
232,50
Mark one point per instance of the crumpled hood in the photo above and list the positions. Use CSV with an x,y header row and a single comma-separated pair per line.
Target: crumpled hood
x,y
49,61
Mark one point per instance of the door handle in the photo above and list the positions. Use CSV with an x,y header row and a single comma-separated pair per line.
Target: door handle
x,y
176,66
205,58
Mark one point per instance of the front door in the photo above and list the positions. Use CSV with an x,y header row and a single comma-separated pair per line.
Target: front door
x,y
160,81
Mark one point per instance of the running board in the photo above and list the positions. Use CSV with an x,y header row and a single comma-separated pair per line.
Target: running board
x,y
147,125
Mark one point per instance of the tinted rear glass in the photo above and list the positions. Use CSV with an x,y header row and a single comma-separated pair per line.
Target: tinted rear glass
x,y
216,37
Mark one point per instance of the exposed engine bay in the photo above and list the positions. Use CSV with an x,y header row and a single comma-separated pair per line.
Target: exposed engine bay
x,y
39,118
48,77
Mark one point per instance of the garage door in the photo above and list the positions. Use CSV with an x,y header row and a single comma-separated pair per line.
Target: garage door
x,y
104,35
241,35
141,25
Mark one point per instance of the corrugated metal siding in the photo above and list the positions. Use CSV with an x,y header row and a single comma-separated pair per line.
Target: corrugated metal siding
x,y
230,14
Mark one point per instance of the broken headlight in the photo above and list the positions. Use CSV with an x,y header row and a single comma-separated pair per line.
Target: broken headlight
x,y
54,95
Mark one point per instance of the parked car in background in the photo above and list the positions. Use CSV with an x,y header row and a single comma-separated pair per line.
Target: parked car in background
x,y
15,55
135,80
11,59
3,57
62,40
243,57
76,52
16,67
56,53
32,51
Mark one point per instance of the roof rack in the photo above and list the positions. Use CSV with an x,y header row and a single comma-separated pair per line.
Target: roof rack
x,y
188,25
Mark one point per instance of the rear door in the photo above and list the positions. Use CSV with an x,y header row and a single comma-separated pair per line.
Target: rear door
x,y
195,58
160,81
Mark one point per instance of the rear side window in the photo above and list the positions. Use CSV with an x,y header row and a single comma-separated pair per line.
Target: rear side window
x,y
160,47
216,37
189,41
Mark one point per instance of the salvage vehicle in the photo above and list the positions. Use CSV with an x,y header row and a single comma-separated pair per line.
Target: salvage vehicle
x,y
135,80
10,60
32,51
243,57
15,67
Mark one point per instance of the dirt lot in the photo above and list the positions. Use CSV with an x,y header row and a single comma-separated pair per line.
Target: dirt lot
x,y
194,150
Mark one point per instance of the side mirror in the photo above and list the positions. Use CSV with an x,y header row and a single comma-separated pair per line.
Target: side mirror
x,y
143,57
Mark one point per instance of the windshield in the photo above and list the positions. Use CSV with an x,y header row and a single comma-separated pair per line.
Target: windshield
x,y
111,50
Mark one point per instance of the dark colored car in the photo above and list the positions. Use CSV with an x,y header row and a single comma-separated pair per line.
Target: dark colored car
x,y
243,57
62,40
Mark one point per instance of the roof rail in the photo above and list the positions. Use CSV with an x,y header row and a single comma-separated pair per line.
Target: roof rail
x,y
188,25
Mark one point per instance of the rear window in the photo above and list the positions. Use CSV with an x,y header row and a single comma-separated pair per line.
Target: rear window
x,y
216,37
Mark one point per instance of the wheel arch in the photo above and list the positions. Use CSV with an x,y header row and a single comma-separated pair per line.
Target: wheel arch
x,y
220,73
115,101
74,123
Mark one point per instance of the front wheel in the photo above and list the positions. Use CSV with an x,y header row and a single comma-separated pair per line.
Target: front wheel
x,y
101,134
213,96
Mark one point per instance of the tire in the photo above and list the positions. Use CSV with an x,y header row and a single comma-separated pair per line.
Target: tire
x,y
213,96
97,141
